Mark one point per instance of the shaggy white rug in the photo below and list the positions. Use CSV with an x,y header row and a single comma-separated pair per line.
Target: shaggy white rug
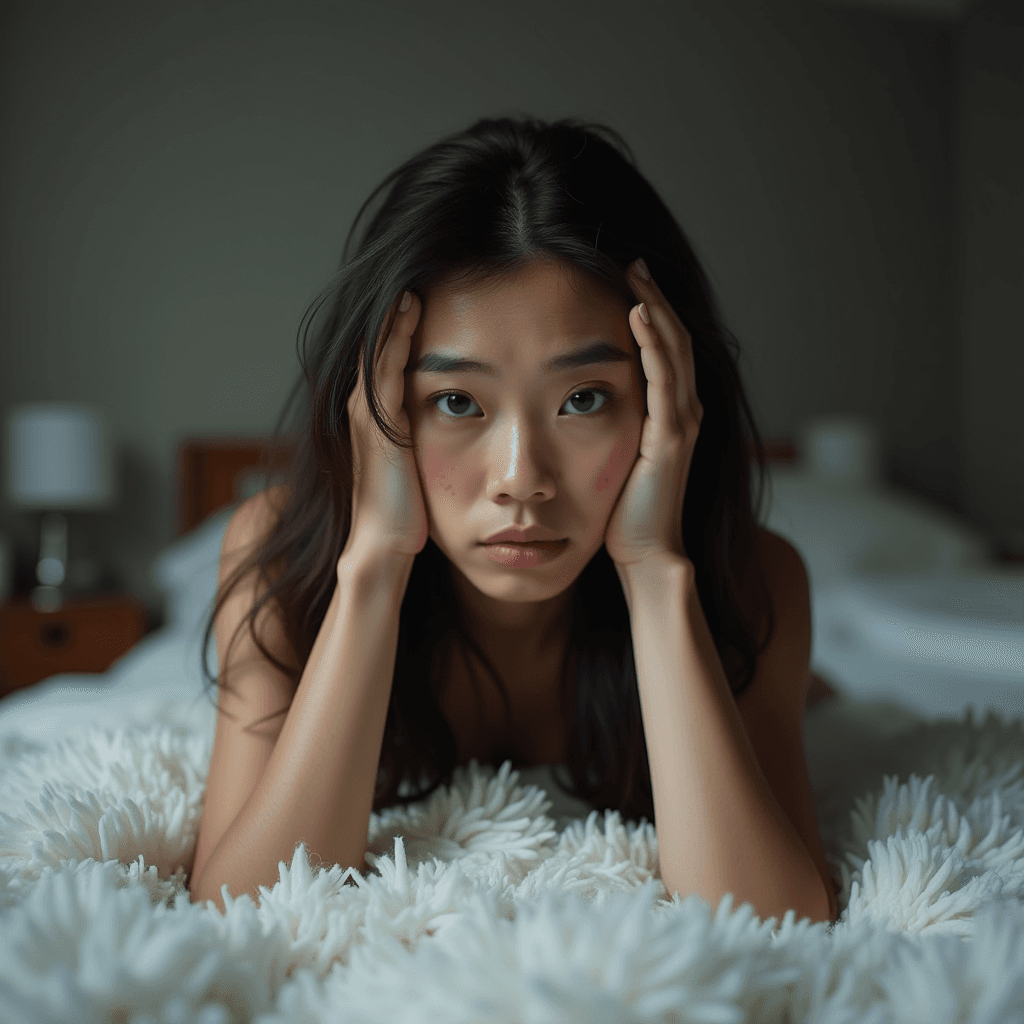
x,y
484,907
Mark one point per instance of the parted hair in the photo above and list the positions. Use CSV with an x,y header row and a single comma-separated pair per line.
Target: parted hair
x,y
474,206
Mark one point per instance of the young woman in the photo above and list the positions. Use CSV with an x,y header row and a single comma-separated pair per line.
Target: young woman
x,y
518,523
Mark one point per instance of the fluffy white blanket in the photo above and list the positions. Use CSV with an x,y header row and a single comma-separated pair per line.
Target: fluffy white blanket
x,y
483,907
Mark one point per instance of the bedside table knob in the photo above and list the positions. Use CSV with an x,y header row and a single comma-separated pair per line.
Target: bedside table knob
x,y
84,638
54,634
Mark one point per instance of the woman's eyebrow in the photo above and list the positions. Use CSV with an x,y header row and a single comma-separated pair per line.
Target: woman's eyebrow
x,y
598,352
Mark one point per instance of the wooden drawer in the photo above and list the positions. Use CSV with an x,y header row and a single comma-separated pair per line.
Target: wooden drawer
x,y
84,635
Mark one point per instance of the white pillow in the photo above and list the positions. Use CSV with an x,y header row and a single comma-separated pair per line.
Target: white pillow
x,y
186,571
844,532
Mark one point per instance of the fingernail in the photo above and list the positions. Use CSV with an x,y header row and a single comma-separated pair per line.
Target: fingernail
x,y
644,315
641,269
405,303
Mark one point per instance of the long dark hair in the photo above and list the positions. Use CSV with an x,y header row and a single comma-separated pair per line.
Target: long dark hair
x,y
482,202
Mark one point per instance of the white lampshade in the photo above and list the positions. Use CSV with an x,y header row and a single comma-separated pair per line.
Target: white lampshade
x,y
58,458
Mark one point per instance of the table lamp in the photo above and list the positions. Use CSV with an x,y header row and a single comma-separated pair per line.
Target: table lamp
x,y
58,460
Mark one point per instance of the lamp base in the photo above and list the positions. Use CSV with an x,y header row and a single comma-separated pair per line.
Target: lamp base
x,y
56,577
51,567
45,598
53,550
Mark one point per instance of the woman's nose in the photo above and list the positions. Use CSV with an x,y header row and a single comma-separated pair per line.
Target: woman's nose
x,y
521,466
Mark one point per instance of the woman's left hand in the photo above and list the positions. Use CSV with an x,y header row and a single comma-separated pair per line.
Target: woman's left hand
x,y
646,524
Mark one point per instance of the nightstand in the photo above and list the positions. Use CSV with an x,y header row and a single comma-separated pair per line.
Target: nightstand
x,y
87,634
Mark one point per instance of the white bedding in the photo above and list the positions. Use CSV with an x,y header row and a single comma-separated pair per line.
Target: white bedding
x,y
487,903
499,899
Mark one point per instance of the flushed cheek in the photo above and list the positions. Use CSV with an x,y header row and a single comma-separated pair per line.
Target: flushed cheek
x,y
442,474
610,474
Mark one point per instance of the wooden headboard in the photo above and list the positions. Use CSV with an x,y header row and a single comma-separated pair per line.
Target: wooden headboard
x,y
216,472
781,451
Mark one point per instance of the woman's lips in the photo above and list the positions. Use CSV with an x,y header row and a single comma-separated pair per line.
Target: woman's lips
x,y
525,544
519,555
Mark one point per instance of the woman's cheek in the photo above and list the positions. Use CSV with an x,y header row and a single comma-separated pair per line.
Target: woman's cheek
x,y
611,474
447,480
436,470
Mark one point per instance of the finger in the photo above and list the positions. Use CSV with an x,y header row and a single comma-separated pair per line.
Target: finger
x,y
679,343
395,360
661,377
391,326
394,353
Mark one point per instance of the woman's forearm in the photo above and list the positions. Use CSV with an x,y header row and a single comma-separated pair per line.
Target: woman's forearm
x,y
720,828
319,783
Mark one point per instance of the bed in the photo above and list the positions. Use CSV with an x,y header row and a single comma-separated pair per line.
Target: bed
x,y
499,898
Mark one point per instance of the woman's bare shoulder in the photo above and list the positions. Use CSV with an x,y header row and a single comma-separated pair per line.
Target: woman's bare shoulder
x,y
250,527
256,516
277,497
275,500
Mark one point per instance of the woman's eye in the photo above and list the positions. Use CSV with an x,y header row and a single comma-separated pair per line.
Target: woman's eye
x,y
605,396
452,407
452,396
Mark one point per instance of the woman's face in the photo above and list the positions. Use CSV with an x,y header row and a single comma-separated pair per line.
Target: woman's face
x,y
525,444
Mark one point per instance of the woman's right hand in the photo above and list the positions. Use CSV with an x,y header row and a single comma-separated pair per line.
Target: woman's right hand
x,y
388,515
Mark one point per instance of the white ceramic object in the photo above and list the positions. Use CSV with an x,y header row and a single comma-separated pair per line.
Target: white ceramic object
x,y
845,450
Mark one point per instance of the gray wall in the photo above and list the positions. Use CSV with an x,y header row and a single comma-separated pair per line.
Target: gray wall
x,y
177,184
990,264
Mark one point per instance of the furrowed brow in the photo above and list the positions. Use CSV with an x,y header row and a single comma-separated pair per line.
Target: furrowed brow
x,y
592,355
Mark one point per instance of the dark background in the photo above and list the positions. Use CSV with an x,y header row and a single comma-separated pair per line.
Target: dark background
x,y
178,180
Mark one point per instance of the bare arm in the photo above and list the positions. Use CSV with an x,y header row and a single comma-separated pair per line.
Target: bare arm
x,y
319,782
